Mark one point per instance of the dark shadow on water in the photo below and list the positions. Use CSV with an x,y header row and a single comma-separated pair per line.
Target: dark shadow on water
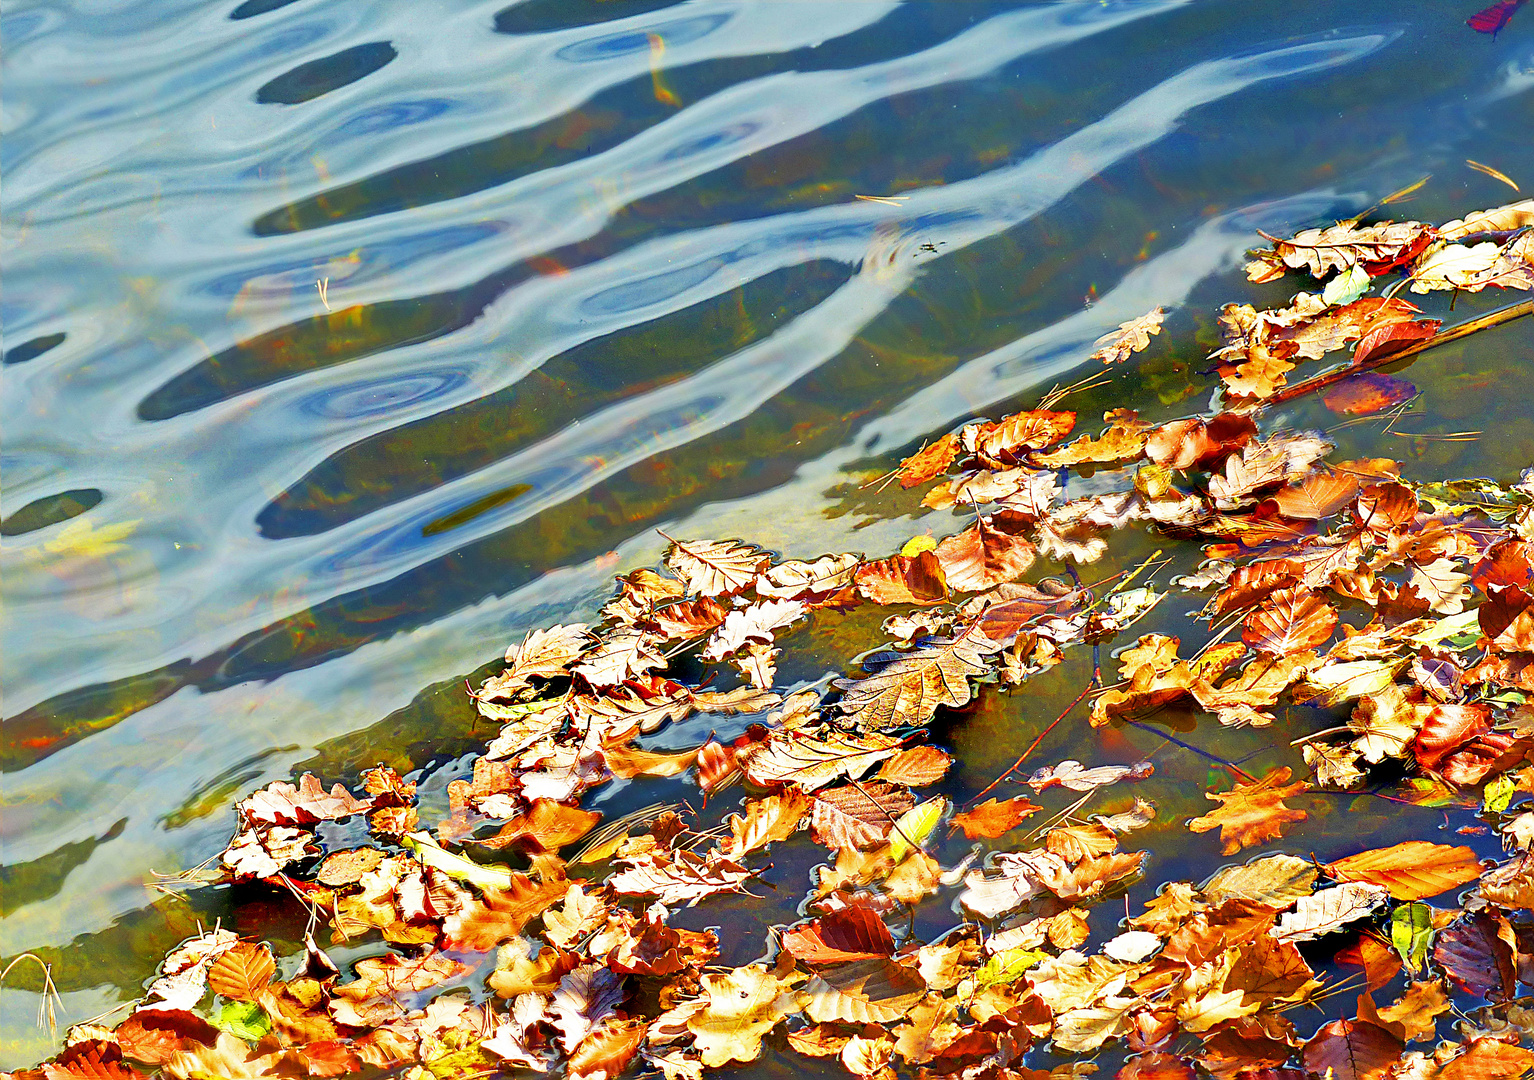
x,y
318,77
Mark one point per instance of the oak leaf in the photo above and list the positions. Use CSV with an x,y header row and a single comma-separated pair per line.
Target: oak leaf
x,y
280,803
1033,430
586,997
742,1006
797,579
619,656
907,691
1130,337
1252,812
754,622
811,761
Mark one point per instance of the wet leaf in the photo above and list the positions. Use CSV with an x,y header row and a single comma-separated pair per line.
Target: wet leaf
x,y
1252,812
850,933
1130,337
1351,1050
715,567
1476,952
1329,910
243,972
1289,621
983,556
907,691
1412,870
858,815
741,1006
903,579
930,462
994,817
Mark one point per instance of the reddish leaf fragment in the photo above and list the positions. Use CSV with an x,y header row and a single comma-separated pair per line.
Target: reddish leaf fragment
x,y
929,462
1491,20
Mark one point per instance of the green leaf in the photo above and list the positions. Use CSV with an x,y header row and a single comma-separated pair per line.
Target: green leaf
x,y
456,866
1411,932
915,825
1499,793
1006,966
243,1019
1345,288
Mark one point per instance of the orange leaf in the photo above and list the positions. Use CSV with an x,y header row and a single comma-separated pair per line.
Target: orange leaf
x,y
1383,341
993,817
849,933
1252,813
902,579
1412,870
929,462
916,767
242,972
1319,495
1291,621
1368,392
1351,1050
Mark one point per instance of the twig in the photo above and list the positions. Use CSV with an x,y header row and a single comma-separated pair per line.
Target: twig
x,y
1034,745
46,1015
1232,766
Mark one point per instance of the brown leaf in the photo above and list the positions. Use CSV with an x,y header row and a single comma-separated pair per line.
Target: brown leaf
x,y
1252,813
1250,584
1186,444
1447,728
501,915
242,972
983,556
1290,621
1132,336
1319,495
1000,442
1413,870
929,462
546,825
1340,247
858,815
607,1051
902,579
907,691
775,817
916,767
801,580
281,803
716,567
993,817
850,933
1351,1050
154,1036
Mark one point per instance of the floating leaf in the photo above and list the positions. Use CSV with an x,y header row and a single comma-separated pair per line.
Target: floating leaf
x,y
716,567
1290,621
994,817
1329,910
1252,812
1411,870
851,933
1132,336
907,691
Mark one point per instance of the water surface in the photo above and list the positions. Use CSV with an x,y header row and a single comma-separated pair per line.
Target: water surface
x,y
344,343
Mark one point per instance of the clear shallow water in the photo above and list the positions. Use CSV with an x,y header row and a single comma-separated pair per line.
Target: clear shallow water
x,y
577,288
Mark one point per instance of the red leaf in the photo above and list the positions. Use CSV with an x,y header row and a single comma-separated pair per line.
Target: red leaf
x,y
1386,340
1368,392
1351,1050
1446,729
850,933
1491,20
